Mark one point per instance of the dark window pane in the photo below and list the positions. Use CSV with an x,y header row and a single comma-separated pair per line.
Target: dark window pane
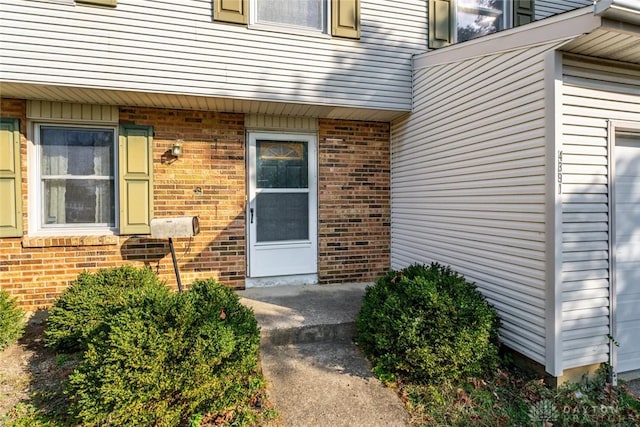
x,y
282,164
282,217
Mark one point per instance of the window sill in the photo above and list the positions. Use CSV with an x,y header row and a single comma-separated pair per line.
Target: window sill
x,y
288,30
66,241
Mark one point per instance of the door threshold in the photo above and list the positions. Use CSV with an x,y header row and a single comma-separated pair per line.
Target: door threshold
x,y
294,280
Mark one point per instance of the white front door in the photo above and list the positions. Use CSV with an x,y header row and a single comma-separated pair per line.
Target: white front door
x,y
282,208
627,251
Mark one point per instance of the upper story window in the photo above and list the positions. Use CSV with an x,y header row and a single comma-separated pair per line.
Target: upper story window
x,y
475,18
75,177
454,21
303,14
340,18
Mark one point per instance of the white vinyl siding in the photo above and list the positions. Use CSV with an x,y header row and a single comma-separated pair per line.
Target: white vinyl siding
x,y
546,8
468,183
593,93
176,48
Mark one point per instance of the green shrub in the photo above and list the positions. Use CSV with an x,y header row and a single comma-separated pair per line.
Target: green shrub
x,y
85,307
11,320
428,325
170,362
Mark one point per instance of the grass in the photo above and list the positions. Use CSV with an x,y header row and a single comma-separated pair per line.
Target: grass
x,y
512,398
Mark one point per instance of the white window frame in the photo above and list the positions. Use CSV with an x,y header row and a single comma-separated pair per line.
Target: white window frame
x,y
506,16
35,198
291,29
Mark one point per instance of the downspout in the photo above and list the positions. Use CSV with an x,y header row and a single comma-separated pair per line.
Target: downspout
x,y
553,227
613,376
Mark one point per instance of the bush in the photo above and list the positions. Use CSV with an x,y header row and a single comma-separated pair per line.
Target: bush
x,y
11,320
171,362
84,308
428,325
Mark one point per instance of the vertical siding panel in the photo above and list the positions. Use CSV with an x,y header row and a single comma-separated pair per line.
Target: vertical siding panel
x,y
46,110
468,183
593,93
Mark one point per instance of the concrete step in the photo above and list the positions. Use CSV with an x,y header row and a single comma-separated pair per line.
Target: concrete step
x,y
316,375
305,314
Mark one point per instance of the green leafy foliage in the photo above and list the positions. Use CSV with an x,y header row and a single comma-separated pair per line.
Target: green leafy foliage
x,y
84,309
428,324
11,320
169,360
513,398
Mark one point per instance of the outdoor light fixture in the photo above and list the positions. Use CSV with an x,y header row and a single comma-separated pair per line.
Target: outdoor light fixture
x,y
176,149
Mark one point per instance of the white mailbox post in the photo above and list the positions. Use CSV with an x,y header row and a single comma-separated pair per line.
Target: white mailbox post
x,y
171,227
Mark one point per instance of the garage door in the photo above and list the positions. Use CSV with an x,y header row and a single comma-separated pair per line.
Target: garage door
x,y
627,247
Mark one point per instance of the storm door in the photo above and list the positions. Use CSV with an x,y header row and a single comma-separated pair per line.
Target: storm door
x,y
282,208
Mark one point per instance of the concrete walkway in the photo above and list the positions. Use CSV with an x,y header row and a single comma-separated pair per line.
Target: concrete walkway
x,y
317,376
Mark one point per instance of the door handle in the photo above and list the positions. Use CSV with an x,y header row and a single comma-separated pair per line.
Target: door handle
x,y
251,215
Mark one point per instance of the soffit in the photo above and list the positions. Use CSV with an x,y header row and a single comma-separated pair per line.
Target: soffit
x,y
186,102
613,42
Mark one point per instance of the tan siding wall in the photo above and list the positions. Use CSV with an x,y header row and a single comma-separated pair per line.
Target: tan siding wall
x,y
546,8
468,184
592,95
176,47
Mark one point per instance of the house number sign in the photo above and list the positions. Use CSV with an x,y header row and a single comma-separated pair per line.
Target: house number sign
x,y
560,172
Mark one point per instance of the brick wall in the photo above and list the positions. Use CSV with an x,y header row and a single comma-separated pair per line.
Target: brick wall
x,y
354,199
208,180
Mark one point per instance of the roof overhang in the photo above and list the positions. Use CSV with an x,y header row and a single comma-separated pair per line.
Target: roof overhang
x,y
606,30
83,95
619,10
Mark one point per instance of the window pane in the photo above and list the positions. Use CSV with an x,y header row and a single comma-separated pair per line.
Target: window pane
x,y
300,13
77,175
282,164
475,18
282,217
78,202
77,151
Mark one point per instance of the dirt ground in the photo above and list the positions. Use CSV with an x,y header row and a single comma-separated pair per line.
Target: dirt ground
x,y
29,372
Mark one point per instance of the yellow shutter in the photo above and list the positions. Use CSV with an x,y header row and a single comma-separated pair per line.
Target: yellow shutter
x,y
135,166
440,23
111,3
10,181
345,18
234,11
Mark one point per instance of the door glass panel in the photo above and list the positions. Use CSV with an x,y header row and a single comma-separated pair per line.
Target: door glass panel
x,y
282,164
282,216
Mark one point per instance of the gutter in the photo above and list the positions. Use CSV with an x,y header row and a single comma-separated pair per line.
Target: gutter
x,y
618,10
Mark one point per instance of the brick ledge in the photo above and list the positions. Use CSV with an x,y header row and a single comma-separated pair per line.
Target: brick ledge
x,y
60,241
